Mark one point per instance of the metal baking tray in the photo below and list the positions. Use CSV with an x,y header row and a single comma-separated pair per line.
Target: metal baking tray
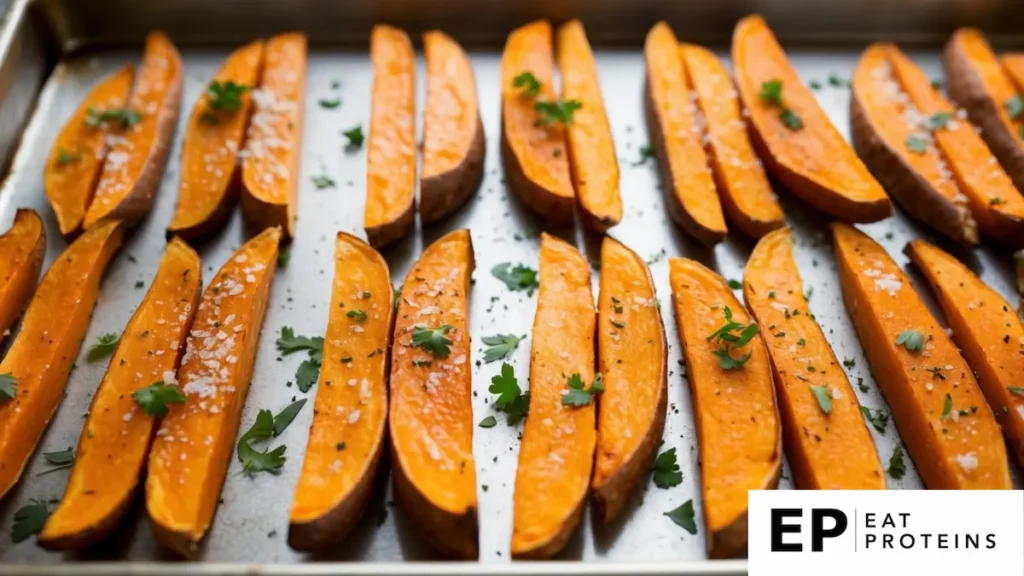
x,y
53,51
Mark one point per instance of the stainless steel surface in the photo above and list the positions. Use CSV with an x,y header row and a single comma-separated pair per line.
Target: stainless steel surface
x,y
251,523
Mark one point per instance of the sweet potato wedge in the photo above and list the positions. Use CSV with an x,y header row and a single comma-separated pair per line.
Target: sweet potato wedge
x,y
391,147
556,456
885,126
743,186
938,408
21,258
209,156
738,426
828,444
592,159
134,165
986,329
270,169
431,412
190,454
41,356
995,203
976,80
75,161
671,116
114,443
346,438
1018,264
631,356
536,165
453,134
813,160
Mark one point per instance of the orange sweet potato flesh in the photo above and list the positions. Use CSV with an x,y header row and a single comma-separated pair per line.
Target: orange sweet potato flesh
x,y
134,165
987,331
41,356
453,134
882,119
976,80
831,451
21,258
75,161
996,204
955,452
209,155
536,165
815,162
677,140
431,412
193,446
595,167
391,147
557,451
115,441
743,186
351,401
738,426
270,170
632,360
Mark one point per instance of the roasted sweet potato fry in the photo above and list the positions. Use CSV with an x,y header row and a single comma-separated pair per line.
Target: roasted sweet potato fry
x,y
595,167
21,258
431,417
938,408
825,436
536,165
346,438
453,135
888,135
743,186
976,81
114,443
190,455
997,206
75,161
730,376
134,165
270,169
391,147
678,143
213,138
987,331
632,358
557,452
41,356
794,136
1018,264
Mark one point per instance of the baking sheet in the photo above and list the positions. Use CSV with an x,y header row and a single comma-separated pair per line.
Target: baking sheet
x,y
251,524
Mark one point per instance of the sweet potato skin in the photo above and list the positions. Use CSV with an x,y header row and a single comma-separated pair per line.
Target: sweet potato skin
x,y
687,181
434,475
975,80
41,356
831,451
115,440
325,509
209,188
879,130
161,72
21,259
736,413
815,162
883,305
632,360
554,476
448,177
535,172
184,479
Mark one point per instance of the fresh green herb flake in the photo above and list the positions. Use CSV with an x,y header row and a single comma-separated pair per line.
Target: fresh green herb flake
x,y
517,277
354,136
735,284
897,467
666,470
646,153
153,399
879,418
330,104
511,400
488,422
560,111
29,520
433,340
226,96
912,340
939,120
529,84
947,407
357,315
8,387
322,182
501,346
1014,107
577,395
307,374
124,117
824,397
64,157
103,347
683,516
